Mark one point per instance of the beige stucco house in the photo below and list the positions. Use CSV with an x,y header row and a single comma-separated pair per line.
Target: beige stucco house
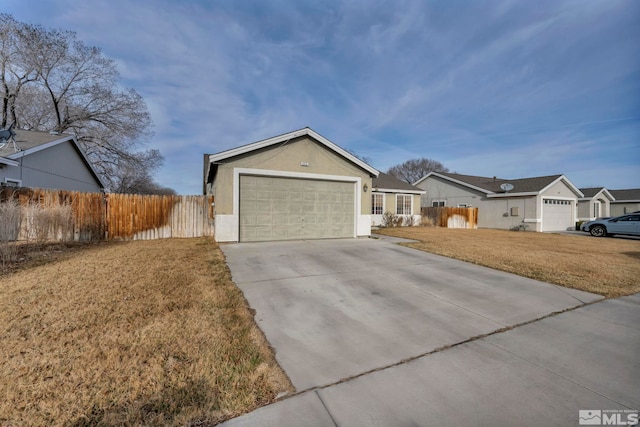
x,y
298,185
397,197
625,201
596,203
547,203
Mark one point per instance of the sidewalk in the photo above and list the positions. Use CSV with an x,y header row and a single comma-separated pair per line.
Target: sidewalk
x,y
540,373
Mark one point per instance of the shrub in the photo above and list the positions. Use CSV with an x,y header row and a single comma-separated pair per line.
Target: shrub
x,y
389,219
10,219
52,222
62,222
11,215
427,221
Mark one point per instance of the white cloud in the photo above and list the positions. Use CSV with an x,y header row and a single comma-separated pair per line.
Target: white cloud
x,y
500,88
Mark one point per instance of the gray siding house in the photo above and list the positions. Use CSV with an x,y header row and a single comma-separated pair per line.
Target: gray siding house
x,y
626,201
545,203
596,203
47,160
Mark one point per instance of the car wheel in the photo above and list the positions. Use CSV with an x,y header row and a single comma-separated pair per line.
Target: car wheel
x,y
598,231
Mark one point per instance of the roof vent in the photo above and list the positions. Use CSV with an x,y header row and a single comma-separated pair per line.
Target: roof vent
x,y
53,132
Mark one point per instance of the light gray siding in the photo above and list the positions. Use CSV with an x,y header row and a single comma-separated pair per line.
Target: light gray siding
x,y
57,167
502,213
621,208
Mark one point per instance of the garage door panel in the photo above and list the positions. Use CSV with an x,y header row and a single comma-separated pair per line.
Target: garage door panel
x,y
248,194
280,196
273,208
557,215
263,233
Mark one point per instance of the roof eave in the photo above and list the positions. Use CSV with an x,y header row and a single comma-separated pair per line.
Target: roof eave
x,y
457,181
8,162
397,190
604,192
524,194
286,137
75,144
567,182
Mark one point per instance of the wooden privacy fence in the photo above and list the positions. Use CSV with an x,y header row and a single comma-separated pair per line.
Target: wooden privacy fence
x,y
452,217
69,215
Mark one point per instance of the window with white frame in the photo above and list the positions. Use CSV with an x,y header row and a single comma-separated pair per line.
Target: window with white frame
x,y
404,204
377,204
556,202
438,203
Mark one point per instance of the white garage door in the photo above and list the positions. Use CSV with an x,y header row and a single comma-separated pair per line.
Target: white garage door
x,y
557,215
287,209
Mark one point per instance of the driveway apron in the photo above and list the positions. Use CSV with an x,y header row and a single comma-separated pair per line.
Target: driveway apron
x,y
336,309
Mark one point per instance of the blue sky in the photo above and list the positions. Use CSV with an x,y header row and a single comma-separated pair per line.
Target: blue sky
x,y
495,88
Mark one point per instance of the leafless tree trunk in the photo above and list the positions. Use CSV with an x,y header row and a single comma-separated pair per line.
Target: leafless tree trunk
x,y
414,169
51,81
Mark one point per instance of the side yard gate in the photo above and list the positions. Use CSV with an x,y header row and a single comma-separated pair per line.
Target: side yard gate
x,y
67,215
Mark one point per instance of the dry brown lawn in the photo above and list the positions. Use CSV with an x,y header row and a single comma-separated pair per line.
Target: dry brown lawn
x,y
605,266
131,333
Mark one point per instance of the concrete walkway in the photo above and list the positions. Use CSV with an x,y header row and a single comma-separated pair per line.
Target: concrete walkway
x,y
372,333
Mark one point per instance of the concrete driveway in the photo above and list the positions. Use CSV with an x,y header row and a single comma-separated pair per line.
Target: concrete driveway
x,y
376,333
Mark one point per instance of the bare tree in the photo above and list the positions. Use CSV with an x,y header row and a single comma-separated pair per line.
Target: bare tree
x,y
414,169
54,82
15,72
365,159
135,180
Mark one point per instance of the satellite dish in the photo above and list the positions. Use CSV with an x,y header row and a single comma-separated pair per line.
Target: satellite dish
x,y
506,187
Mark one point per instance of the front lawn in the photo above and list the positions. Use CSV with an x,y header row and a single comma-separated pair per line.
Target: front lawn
x,y
131,333
605,266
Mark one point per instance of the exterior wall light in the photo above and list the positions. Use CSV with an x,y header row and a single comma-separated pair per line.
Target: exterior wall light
x,y
365,188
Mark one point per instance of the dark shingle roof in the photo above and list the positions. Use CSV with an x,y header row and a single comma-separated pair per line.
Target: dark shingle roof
x,y
591,191
522,185
390,182
625,195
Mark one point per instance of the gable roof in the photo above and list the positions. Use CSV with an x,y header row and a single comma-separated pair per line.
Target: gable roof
x,y
223,155
389,183
630,195
591,192
29,142
491,185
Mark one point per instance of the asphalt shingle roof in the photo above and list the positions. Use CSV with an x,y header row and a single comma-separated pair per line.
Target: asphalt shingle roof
x,y
390,182
591,191
26,140
623,195
522,185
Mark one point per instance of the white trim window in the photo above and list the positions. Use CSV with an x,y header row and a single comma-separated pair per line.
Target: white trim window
x,y
438,203
377,203
557,202
404,204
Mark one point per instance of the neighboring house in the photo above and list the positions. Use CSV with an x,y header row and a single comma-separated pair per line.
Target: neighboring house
x,y
47,160
626,201
547,203
298,185
390,194
596,203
